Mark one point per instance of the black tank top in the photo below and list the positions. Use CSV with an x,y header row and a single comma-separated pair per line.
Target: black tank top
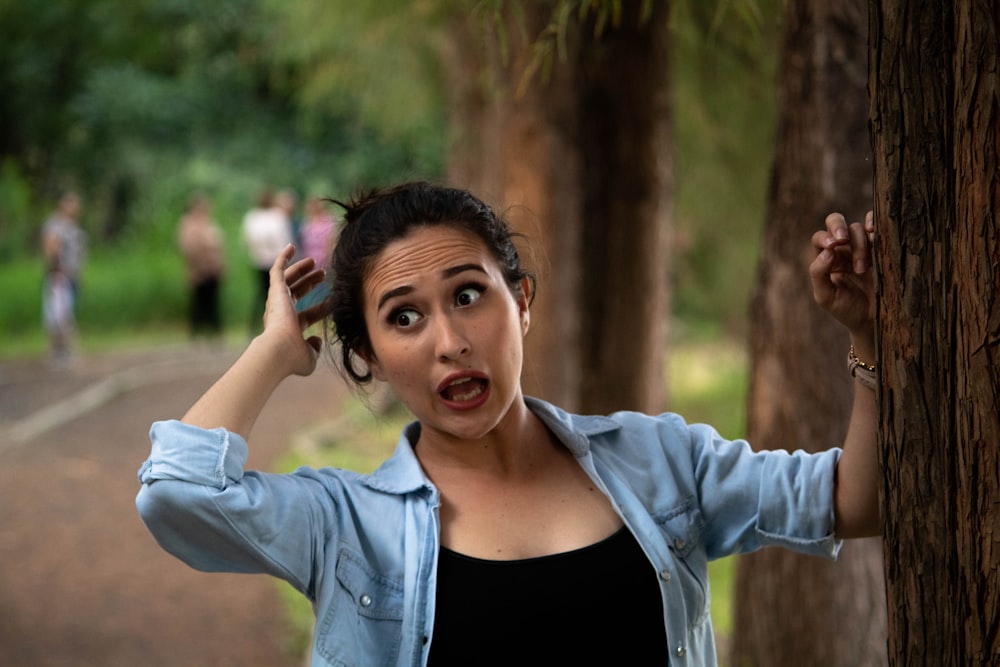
x,y
599,605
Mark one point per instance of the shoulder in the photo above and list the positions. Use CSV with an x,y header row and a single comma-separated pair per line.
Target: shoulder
x,y
621,430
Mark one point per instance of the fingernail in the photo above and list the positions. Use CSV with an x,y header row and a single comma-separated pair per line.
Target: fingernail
x,y
841,233
859,266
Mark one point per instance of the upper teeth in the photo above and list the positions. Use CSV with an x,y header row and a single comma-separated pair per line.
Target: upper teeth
x,y
459,381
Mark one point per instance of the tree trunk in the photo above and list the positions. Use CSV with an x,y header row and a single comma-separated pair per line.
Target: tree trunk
x,y
622,94
935,105
518,153
793,609
582,167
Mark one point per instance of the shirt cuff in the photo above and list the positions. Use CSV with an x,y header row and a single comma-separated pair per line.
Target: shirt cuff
x,y
796,502
210,457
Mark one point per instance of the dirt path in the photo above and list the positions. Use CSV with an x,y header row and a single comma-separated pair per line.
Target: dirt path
x,y
81,581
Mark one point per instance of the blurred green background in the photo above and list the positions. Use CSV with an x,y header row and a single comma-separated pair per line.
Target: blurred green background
x,y
136,105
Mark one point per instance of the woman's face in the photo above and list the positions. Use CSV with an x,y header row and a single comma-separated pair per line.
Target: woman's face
x,y
446,331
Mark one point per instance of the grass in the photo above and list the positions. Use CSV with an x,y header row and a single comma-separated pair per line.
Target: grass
x,y
128,298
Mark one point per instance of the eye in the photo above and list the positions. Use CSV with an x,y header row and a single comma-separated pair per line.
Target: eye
x,y
405,317
469,295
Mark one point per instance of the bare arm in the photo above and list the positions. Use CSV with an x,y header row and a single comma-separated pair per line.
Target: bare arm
x,y
237,398
843,285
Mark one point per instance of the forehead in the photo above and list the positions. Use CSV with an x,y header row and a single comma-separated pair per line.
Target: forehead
x,y
424,254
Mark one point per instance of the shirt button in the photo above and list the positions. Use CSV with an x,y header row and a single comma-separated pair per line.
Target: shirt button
x,y
365,600
679,544
681,651
665,576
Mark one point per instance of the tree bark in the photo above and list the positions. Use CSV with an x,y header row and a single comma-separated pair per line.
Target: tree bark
x,y
793,609
579,159
934,109
518,152
622,94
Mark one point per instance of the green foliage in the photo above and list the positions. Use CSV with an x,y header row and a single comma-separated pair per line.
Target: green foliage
x,y
135,105
363,59
17,215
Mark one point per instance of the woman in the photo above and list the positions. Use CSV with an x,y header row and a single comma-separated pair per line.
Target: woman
x,y
503,530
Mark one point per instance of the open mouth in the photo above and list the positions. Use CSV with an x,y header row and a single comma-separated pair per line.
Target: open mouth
x,y
464,389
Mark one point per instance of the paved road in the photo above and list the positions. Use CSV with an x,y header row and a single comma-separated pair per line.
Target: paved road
x,y
81,581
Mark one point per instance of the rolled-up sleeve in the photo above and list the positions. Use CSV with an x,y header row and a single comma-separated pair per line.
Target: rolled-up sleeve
x,y
795,507
767,498
186,453
200,505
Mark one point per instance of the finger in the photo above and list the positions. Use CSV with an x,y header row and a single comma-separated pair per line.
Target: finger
x,y
316,343
859,247
820,269
277,272
823,239
870,226
299,269
837,225
307,283
839,258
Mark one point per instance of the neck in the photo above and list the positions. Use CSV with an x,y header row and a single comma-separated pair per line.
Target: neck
x,y
513,448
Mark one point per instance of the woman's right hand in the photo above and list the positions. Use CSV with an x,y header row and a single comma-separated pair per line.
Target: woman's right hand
x,y
236,399
283,325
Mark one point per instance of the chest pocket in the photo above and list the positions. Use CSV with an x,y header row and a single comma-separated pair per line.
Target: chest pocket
x,y
681,526
364,620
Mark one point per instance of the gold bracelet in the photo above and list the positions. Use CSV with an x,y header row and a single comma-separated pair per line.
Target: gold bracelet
x,y
851,356
864,373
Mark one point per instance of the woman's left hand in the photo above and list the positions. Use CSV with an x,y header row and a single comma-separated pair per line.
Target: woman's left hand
x,y
841,275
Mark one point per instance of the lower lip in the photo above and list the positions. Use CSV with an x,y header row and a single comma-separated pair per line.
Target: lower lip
x,y
470,404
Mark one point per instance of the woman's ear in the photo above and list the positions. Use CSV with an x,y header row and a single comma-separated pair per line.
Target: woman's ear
x,y
524,305
373,365
376,371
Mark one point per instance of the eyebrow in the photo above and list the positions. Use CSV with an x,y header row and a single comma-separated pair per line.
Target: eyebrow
x,y
446,273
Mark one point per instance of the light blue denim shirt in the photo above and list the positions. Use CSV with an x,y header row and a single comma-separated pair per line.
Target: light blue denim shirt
x,y
364,548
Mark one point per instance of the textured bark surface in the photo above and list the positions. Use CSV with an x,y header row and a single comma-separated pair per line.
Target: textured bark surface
x,y
792,609
934,79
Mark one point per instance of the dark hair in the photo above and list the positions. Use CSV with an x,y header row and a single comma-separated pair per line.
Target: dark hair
x,y
374,219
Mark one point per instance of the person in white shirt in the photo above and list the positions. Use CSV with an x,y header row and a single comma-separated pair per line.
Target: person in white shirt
x,y
266,230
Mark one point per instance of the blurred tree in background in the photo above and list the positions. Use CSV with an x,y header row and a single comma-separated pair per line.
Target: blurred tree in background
x,y
822,163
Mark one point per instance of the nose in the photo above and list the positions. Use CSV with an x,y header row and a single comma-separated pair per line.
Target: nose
x,y
450,341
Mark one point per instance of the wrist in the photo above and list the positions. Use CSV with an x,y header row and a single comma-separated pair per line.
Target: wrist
x,y
863,368
269,355
863,340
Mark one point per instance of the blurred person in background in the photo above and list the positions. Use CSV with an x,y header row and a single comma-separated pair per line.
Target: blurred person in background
x,y
201,244
64,247
266,230
288,202
316,236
